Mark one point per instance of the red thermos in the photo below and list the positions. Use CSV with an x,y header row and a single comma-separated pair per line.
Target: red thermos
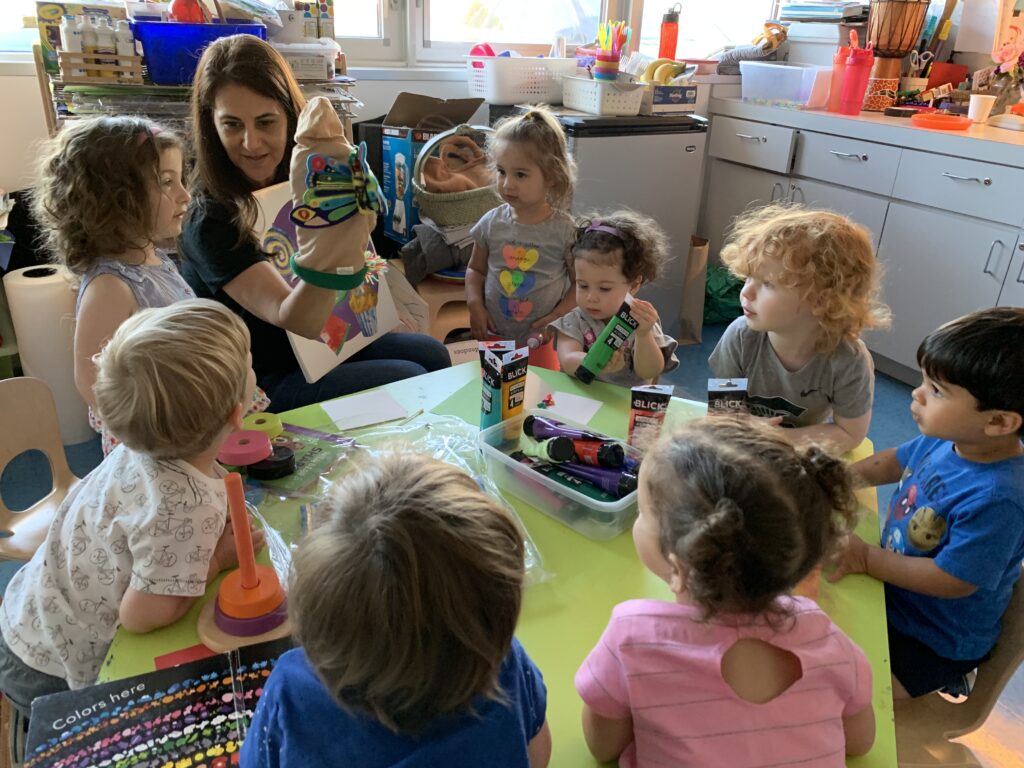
x,y
855,79
189,11
669,33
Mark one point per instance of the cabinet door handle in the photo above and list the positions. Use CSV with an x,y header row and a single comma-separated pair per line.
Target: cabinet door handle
x,y
782,191
762,139
793,189
1020,275
986,181
849,155
991,248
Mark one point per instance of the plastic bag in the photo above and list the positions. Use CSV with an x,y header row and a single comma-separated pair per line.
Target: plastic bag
x,y
722,296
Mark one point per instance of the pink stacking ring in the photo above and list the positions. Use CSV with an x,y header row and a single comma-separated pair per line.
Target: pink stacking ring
x,y
245,447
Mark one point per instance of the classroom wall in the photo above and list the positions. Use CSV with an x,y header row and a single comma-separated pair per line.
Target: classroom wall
x,y
21,97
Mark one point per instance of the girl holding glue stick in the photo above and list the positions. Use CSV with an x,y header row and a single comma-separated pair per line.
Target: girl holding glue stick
x,y
614,256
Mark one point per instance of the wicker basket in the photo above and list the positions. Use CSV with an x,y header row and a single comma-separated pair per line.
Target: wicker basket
x,y
452,209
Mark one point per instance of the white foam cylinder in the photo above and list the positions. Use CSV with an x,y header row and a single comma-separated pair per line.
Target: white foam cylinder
x,y
42,304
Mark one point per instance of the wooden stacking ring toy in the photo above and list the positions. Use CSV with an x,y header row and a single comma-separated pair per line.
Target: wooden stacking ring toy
x,y
245,447
267,423
250,606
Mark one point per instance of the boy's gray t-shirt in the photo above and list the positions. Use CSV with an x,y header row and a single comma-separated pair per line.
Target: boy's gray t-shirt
x,y
527,268
842,384
581,327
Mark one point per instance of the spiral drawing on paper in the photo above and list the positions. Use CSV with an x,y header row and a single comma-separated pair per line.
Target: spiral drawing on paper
x,y
278,246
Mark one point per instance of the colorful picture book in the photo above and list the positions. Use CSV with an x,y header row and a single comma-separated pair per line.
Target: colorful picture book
x,y
195,714
361,315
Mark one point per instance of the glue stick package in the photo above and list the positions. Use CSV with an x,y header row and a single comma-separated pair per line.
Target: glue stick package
x,y
503,381
647,407
727,396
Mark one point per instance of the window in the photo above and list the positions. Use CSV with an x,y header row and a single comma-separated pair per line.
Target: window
x,y
705,26
13,35
371,31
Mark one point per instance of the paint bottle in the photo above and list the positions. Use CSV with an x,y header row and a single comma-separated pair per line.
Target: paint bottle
x,y
125,43
554,449
619,328
612,481
557,475
106,44
71,41
599,453
89,42
541,427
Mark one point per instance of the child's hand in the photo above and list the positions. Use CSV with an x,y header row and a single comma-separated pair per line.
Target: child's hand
x,y
852,557
226,553
645,315
541,329
480,323
617,361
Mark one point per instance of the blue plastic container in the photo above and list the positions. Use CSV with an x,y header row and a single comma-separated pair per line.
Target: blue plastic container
x,y
171,49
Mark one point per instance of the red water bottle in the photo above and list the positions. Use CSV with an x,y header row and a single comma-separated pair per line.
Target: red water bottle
x,y
855,79
835,92
189,11
669,33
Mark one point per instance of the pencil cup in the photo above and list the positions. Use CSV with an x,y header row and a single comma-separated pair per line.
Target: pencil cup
x,y
606,66
910,84
980,107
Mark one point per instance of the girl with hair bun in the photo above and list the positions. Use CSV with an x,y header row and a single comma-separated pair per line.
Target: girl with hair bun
x,y
736,671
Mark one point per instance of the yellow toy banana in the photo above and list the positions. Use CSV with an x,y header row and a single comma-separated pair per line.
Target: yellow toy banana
x,y
652,68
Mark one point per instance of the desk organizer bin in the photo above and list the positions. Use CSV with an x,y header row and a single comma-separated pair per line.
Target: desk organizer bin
x,y
598,97
507,81
171,50
589,517
785,85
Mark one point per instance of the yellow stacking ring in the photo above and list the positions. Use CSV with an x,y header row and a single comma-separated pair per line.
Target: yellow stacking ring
x,y
267,423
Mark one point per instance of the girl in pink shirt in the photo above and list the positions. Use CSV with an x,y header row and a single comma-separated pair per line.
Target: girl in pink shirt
x,y
736,671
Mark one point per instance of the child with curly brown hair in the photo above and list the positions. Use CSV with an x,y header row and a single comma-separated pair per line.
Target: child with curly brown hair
x,y
614,256
735,671
811,289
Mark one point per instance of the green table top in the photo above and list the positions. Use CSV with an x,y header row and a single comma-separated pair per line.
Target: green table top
x,y
563,617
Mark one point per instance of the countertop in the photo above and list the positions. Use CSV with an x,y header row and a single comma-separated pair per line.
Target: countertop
x,y
979,142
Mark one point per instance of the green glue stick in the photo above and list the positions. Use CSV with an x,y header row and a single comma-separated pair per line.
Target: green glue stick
x,y
619,328
554,449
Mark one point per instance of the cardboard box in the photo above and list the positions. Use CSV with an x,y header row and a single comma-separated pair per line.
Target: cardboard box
x,y
48,16
669,100
414,119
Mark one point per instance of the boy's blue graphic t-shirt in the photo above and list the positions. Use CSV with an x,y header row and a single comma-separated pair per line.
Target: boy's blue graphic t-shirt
x,y
298,722
969,518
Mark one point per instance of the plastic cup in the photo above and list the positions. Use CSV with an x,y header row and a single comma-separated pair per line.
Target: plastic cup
x,y
606,66
980,107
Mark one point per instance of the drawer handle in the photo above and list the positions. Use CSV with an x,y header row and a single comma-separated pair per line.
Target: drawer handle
x,y
991,248
986,181
850,155
793,189
1020,275
782,191
762,139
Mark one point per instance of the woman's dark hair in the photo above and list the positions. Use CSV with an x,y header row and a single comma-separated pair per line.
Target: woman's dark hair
x,y
983,352
247,61
746,512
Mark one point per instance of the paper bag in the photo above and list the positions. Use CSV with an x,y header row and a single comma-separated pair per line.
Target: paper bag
x,y
691,315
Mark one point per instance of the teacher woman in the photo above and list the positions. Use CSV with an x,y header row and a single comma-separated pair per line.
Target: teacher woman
x,y
245,106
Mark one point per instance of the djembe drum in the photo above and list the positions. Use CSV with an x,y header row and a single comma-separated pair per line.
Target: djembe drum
x,y
894,27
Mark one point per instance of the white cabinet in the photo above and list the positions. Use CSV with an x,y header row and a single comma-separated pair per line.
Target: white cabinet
x,y
851,163
865,209
1012,294
732,189
937,266
757,144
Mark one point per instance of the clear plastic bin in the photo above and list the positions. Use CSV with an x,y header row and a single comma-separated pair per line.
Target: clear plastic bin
x,y
594,519
506,80
785,85
600,97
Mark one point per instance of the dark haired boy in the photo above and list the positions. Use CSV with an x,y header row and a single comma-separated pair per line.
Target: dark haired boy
x,y
953,538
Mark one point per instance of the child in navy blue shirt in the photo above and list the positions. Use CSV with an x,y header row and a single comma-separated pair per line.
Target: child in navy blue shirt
x,y
404,603
953,539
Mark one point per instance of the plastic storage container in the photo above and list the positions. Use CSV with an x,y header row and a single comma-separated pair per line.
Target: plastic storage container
x,y
591,518
785,85
506,80
171,50
598,97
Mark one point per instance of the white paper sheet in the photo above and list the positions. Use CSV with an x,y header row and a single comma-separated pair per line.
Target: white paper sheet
x,y
364,409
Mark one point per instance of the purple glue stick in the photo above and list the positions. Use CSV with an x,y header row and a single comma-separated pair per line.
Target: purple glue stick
x,y
614,481
540,428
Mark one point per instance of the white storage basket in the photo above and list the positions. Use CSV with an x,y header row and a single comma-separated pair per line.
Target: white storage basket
x,y
599,97
504,80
